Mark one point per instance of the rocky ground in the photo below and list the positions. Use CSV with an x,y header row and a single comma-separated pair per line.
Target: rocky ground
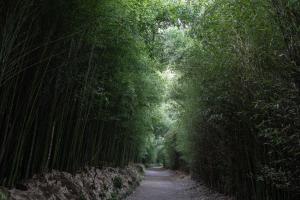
x,y
89,184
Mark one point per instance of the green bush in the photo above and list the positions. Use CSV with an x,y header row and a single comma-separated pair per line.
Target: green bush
x,y
3,195
118,182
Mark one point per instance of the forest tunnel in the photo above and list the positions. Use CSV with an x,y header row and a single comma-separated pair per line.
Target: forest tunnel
x,y
209,87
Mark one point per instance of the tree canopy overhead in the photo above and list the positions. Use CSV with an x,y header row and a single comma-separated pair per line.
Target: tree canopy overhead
x,y
211,87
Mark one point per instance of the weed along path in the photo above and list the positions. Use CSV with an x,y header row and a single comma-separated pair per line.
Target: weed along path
x,y
162,184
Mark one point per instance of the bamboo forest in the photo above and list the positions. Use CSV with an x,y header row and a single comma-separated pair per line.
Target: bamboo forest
x,y
150,99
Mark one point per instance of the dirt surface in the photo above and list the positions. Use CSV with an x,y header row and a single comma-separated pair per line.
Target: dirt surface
x,y
161,184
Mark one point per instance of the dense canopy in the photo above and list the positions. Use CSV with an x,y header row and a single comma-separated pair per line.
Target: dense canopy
x,y
206,86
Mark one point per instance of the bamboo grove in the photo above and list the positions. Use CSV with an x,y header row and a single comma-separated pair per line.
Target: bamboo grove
x,y
211,87
77,85
238,97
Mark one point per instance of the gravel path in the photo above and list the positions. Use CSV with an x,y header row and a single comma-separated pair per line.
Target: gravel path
x,y
161,184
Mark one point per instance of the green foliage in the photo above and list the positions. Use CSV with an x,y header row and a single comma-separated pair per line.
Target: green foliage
x,y
3,196
117,182
240,99
78,86
212,86
153,148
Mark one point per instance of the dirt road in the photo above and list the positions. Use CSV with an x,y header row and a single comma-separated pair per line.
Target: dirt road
x,y
161,184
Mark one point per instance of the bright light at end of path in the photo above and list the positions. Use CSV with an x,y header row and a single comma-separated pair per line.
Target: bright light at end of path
x,y
169,74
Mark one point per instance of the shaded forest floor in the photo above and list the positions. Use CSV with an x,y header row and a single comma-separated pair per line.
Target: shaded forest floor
x,y
161,184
